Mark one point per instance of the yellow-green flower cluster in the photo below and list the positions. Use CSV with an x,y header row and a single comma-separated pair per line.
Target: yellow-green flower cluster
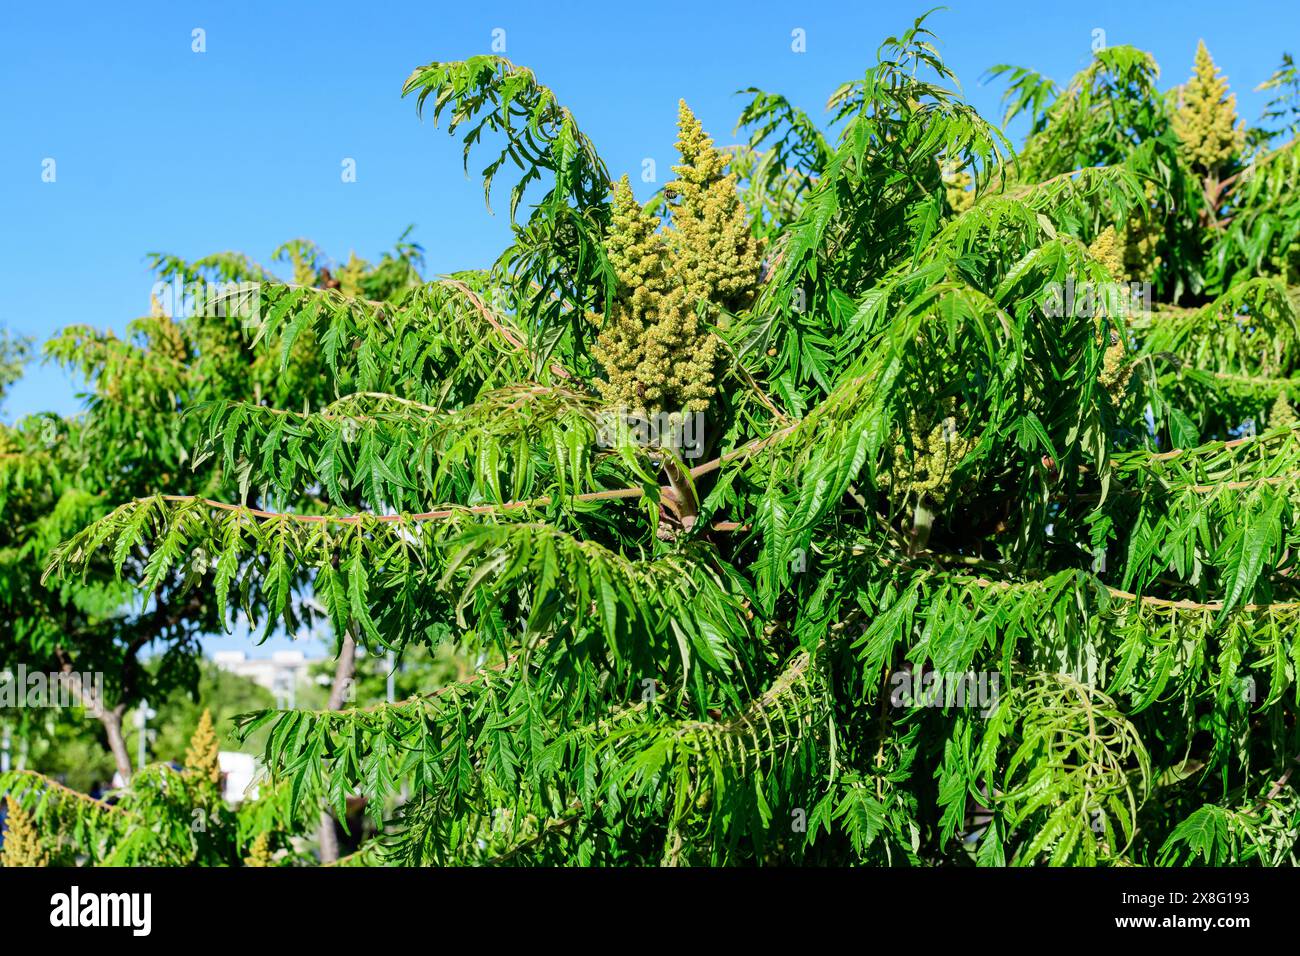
x,y
1108,249
956,187
712,250
655,350
1281,415
1141,239
22,846
936,453
259,854
1116,369
304,269
1206,119
202,757
350,275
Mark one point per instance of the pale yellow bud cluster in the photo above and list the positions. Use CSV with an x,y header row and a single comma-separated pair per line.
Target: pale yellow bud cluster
x,y
304,270
259,854
167,340
350,275
655,350
712,250
1108,249
1281,415
956,187
1116,369
1141,239
202,757
1206,119
22,846
936,452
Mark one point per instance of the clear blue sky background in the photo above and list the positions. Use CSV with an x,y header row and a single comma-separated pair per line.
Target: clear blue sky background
x,y
159,148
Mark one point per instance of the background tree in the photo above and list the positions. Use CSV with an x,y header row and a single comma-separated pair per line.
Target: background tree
x,y
57,474
166,815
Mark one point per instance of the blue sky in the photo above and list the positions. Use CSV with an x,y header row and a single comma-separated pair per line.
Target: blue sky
x,y
160,148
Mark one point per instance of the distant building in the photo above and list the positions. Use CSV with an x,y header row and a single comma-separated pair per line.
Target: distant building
x,y
282,673
238,771
239,775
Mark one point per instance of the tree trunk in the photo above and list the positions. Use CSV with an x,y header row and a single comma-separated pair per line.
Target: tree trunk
x,y
344,671
112,721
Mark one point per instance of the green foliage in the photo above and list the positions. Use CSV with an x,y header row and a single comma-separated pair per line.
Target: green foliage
x,y
1107,110
165,817
58,474
13,354
556,267
1284,99
946,445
